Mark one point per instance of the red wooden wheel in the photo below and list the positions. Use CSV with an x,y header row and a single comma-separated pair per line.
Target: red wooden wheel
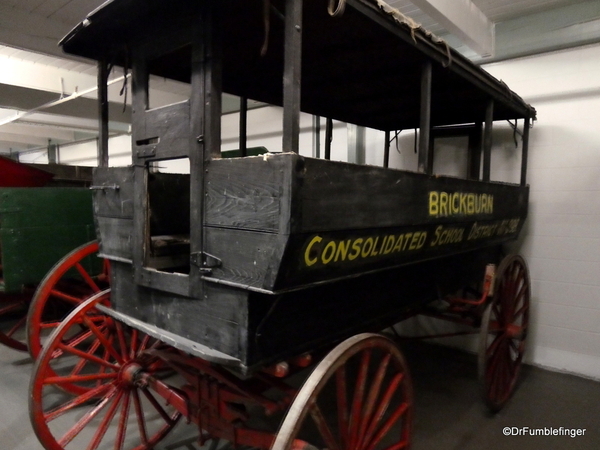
x,y
99,358
359,397
76,277
13,316
503,332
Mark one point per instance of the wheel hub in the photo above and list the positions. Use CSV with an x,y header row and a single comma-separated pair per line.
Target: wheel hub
x,y
514,331
131,374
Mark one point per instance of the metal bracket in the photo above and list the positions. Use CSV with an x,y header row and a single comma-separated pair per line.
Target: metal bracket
x,y
205,261
146,152
114,187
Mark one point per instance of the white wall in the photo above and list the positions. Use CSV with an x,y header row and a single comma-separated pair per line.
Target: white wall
x,y
561,239
85,153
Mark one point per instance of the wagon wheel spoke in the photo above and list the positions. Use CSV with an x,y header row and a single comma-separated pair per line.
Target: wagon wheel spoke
x,y
386,427
103,339
66,296
76,277
382,407
122,430
141,418
323,428
86,277
86,419
373,396
503,332
12,320
103,428
17,326
88,356
14,306
342,405
88,396
379,414
75,402
357,402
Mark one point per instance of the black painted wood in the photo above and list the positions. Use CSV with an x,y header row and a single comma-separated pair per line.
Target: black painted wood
x,y
103,113
246,194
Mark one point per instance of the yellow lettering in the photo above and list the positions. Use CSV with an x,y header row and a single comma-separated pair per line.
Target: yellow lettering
x,y
437,236
355,249
330,247
367,249
389,245
422,239
398,246
444,204
470,203
414,242
308,260
342,250
433,203
374,253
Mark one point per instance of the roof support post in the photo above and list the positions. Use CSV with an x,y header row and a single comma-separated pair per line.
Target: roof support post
x,y
328,137
487,140
103,113
243,126
425,121
474,153
291,75
356,144
316,136
205,129
525,152
386,150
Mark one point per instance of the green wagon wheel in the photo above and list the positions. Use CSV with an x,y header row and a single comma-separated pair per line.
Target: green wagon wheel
x,y
13,317
503,333
359,397
111,409
76,277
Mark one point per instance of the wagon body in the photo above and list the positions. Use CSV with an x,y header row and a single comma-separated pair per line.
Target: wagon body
x,y
247,260
292,269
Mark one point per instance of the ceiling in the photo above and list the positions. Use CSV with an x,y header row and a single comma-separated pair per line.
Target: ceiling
x,y
47,97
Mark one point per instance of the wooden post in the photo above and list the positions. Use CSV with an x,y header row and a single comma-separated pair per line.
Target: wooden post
x,y
292,66
243,126
425,121
139,101
103,113
328,137
487,140
386,150
317,136
474,153
525,152
205,126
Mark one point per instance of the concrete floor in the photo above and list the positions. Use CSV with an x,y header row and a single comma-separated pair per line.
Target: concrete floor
x,y
449,414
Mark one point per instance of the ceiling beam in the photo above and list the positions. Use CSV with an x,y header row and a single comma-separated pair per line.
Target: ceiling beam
x,y
463,19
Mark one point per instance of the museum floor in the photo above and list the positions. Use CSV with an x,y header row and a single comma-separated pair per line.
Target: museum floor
x,y
449,414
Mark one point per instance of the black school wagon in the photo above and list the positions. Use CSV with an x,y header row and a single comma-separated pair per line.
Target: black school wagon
x,y
231,281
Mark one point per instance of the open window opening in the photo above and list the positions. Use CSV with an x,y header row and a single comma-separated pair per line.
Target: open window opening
x,y
169,216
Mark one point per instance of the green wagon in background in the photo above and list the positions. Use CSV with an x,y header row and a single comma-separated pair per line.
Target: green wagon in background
x,y
44,214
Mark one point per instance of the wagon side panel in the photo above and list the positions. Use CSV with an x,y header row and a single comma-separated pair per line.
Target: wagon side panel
x,y
38,226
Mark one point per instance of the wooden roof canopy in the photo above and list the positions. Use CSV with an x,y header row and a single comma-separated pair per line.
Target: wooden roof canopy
x,y
362,66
